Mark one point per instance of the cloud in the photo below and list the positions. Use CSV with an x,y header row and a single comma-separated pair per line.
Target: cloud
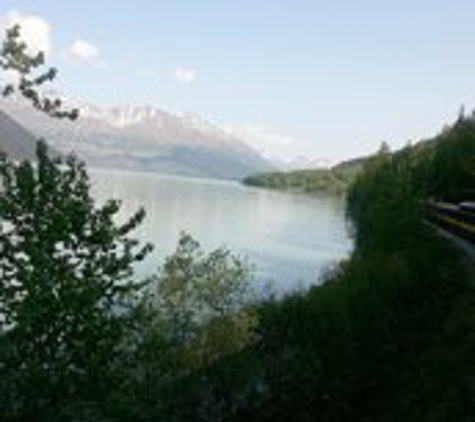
x,y
83,51
184,75
35,31
181,75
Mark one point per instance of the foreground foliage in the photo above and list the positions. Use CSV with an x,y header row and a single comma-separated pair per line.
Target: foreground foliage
x,y
80,338
65,285
19,61
197,316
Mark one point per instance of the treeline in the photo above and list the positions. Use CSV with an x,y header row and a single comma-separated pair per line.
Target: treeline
x,y
335,180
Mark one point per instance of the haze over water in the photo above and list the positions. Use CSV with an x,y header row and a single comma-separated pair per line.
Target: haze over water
x,y
289,239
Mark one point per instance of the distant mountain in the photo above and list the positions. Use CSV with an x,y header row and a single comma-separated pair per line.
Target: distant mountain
x,y
15,140
145,139
301,163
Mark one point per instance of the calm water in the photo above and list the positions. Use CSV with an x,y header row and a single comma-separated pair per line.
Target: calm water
x,y
290,239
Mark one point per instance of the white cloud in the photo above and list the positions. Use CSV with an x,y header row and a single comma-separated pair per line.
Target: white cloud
x,y
83,51
35,31
184,75
181,75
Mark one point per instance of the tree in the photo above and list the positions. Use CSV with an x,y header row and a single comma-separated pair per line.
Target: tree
x,y
65,287
202,301
191,327
15,57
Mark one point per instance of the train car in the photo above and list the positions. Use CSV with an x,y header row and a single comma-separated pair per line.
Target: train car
x,y
458,219
467,206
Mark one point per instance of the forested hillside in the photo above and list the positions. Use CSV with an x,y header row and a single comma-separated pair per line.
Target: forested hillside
x,y
334,180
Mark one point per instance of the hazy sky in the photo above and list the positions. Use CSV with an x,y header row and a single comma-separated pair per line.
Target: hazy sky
x,y
321,79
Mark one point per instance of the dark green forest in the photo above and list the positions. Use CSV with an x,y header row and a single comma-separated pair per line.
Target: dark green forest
x,y
387,335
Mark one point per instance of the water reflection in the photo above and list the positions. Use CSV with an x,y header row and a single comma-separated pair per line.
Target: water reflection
x,y
289,238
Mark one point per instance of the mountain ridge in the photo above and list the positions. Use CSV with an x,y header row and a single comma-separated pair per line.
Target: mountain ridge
x,y
16,141
144,138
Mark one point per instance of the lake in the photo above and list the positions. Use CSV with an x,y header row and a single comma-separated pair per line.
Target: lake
x,y
289,239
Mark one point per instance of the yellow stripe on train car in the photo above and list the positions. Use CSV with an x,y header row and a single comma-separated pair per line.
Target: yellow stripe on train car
x,y
465,226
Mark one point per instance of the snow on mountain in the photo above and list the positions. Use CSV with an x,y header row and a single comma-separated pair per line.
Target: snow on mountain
x,y
144,138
